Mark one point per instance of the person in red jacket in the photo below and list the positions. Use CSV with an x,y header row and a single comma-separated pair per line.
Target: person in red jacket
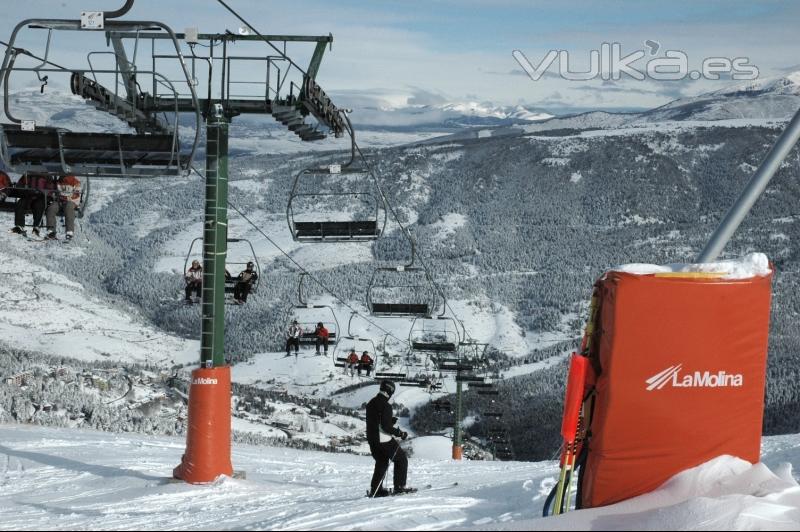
x,y
5,185
322,334
352,362
68,199
366,363
34,191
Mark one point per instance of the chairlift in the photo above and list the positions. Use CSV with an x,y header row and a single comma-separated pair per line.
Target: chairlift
x,y
17,192
236,264
352,342
302,313
349,211
422,380
155,149
471,351
389,375
401,291
436,335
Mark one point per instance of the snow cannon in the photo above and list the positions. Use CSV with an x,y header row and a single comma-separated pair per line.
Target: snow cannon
x,y
676,371
208,435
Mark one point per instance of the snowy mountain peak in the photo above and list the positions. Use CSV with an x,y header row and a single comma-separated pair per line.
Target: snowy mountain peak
x,y
778,85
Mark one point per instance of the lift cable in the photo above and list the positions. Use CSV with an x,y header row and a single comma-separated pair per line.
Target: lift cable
x,y
402,227
303,270
354,148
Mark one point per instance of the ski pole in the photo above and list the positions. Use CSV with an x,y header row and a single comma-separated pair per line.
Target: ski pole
x,y
383,478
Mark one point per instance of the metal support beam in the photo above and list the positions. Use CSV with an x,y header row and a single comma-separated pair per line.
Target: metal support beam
x,y
230,37
126,70
755,188
215,241
316,59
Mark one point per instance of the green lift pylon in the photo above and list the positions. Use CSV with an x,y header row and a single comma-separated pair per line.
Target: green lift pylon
x,y
215,241
208,439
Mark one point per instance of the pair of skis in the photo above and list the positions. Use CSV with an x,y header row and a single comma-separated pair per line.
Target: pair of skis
x,y
575,422
411,491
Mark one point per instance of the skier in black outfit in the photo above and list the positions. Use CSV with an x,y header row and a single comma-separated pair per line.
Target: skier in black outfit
x,y
381,422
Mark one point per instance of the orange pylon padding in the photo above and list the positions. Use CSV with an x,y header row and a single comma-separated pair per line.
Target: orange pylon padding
x,y
208,436
458,452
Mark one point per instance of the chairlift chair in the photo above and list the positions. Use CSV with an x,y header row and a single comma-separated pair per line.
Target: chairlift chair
x,y
310,223
354,342
349,343
401,291
436,335
302,312
155,149
230,282
389,375
15,193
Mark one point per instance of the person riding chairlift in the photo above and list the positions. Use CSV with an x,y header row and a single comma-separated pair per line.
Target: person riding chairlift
x,y
68,199
194,280
244,283
352,363
293,338
33,191
323,335
366,363
5,186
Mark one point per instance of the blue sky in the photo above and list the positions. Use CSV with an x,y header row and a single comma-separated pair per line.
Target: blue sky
x,y
396,52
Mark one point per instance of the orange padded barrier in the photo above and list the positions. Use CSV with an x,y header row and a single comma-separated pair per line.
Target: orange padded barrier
x,y
682,369
208,438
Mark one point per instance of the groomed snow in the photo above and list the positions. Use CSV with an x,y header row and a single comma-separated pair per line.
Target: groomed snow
x,y
67,479
752,265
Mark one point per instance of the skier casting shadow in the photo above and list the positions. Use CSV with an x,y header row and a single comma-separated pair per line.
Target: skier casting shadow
x,y
384,448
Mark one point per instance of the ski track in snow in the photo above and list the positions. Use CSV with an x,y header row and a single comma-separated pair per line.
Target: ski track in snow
x,y
62,479
90,480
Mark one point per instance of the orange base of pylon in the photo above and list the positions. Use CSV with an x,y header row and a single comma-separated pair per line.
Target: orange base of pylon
x,y
208,435
458,452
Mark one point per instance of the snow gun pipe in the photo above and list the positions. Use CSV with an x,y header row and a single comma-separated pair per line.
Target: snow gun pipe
x,y
755,188
576,383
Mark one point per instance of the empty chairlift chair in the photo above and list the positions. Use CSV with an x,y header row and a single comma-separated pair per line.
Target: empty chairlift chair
x,y
335,204
401,291
143,145
436,335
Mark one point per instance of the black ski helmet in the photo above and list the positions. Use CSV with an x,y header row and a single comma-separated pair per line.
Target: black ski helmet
x,y
387,387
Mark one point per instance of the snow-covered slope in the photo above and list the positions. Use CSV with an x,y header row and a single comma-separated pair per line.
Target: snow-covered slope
x,y
777,97
42,310
62,479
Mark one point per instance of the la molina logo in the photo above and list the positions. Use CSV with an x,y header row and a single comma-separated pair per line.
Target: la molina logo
x,y
699,379
204,380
